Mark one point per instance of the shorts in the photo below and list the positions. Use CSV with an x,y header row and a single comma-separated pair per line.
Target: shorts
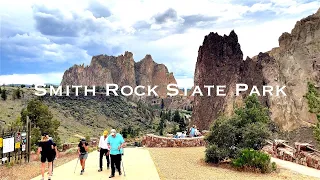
x,y
46,157
83,156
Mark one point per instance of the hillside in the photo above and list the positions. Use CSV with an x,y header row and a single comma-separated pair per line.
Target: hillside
x,y
83,115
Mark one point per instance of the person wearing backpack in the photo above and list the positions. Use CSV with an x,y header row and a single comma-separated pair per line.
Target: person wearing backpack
x,y
54,152
45,149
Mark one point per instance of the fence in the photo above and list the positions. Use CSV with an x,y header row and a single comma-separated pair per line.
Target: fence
x,y
14,145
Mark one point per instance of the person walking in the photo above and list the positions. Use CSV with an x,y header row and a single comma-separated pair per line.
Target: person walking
x,y
104,150
83,153
54,152
45,149
116,144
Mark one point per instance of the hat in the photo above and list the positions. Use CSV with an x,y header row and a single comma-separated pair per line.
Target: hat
x,y
113,131
105,132
82,139
44,134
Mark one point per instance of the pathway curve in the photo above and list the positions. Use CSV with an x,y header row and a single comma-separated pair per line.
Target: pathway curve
x,y
297,167
137,165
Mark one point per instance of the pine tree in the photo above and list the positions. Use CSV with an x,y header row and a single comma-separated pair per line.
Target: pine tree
x,y
41,120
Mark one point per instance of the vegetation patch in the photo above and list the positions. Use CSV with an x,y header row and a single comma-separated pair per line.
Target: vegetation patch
x,y
241,136
313,97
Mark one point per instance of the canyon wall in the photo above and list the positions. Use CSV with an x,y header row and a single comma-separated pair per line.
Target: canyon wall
x,y
295,62
121,70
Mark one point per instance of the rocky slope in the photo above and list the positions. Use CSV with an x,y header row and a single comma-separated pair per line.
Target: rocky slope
x,y
121,70
295,62
84,116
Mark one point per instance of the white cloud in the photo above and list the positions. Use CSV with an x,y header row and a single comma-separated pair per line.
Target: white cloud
x,y
185,82
176,49
54,78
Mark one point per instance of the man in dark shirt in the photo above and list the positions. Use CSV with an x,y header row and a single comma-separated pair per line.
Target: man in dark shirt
x,y
83,153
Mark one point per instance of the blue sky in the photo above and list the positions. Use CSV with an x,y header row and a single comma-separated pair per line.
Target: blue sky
x,y
41,39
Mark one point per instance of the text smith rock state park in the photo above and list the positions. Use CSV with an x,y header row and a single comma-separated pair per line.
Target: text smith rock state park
x,y
172,90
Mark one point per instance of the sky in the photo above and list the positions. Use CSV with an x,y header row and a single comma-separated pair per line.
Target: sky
x,y
41,39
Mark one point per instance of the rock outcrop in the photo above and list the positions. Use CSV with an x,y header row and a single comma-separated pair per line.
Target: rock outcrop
x,y
121,70
295,62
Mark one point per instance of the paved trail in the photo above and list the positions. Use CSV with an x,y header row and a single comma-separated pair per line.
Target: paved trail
x,y
137,164
297,167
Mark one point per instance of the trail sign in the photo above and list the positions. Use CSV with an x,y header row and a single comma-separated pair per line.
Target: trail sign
x,y
8,145
23,141
18,139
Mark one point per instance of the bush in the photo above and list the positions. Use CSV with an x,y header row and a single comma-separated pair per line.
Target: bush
x,y
273,166
249,127
253,159
215,154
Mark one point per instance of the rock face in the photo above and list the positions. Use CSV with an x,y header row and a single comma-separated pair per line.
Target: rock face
x,y
293,64
121,70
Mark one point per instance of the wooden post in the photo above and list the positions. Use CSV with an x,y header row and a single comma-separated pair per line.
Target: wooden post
x,y
29,138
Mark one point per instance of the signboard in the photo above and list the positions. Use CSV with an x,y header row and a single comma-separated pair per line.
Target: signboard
x,y
1,142
23,147
17,145
18,139
23,141
8,145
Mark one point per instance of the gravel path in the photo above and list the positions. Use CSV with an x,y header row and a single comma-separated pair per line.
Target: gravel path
x,y
186,163
297,167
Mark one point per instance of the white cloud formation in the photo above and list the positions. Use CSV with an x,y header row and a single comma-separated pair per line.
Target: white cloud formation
x,y
53,78
170,30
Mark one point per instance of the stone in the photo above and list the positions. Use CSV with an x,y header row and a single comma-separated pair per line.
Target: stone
x,y
151,140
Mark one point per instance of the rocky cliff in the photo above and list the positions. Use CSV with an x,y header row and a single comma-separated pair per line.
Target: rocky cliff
x,y
295,62
121,70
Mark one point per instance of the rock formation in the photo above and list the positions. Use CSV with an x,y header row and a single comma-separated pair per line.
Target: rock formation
x,y
295,62
121,70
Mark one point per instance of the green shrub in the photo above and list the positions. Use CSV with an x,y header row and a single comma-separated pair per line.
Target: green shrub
x,y
253,159
249,127
215,154
273,166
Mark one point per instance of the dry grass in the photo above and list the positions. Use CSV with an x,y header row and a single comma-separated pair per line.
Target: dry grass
x,y
30,170
187,163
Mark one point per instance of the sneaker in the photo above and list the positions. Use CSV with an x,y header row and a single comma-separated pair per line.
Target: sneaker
x,y
111,176
120,173
81,172
49,178
99,170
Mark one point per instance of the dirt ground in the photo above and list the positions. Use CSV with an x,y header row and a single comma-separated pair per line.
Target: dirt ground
x,y
30,170
187,163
